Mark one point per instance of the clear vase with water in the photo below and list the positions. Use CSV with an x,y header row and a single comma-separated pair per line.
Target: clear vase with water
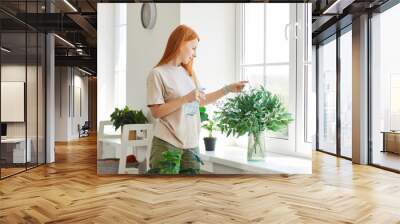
x,y
256,146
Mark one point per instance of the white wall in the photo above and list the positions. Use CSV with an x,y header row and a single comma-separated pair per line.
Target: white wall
x,y
61,104
216,52
120,51
215,62
105,61
79,117
145,48
111,58
67,84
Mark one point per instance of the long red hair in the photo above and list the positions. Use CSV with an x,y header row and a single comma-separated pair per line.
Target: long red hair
x,y
178,37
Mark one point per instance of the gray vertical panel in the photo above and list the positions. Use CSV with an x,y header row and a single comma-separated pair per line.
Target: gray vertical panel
x,y
360,90
50,99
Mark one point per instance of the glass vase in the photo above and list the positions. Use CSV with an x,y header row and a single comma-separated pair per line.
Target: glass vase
x,y
256,147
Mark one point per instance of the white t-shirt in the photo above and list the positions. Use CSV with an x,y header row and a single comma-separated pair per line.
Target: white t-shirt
x,y
169,82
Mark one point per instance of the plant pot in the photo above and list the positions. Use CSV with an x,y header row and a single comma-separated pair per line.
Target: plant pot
x,y
256,147
209,143
132,135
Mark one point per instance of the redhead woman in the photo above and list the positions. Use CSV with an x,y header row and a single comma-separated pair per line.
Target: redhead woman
x,y
172,96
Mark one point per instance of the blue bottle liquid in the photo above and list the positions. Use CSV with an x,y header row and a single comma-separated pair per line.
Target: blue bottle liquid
x,y
192,108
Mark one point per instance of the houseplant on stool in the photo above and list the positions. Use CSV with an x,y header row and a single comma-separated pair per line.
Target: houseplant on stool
x,y
210,126
253,112
120,117
128,116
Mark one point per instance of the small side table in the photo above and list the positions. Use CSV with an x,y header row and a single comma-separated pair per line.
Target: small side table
x,y
391,141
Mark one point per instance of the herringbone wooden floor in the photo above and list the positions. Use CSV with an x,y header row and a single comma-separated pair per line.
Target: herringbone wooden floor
x,y
69,191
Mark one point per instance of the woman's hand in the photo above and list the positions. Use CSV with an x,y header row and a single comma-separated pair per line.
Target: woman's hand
x,y
236,87
194,95
161,110
202,95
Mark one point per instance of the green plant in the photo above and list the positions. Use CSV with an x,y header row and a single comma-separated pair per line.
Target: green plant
x,y
171,162
207,123
127,116
252,112
203,114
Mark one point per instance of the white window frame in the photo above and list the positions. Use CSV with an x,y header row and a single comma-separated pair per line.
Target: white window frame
x,y
299,62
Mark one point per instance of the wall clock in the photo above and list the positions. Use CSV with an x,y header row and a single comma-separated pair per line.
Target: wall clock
x,y
148,15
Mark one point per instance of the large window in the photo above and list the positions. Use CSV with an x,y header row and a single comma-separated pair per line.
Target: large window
x,y
385,89
267,48
275,52
346,93
335,94
327,96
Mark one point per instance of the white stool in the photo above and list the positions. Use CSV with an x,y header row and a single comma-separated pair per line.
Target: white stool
x,y
140,147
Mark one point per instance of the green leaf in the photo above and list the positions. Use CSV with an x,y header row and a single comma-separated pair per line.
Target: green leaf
x,y
207,123
170,164
127,116
252,111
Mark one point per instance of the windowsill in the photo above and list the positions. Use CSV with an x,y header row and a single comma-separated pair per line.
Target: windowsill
x,y
233,159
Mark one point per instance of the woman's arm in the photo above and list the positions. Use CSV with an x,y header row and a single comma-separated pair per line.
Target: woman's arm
x,y
214,96
161,110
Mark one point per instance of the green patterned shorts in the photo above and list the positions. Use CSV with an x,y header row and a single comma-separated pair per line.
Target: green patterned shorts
x,y
190,162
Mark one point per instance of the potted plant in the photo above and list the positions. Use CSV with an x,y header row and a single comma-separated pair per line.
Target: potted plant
x,y
210,126
253,112
171,162
127,116
120,117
